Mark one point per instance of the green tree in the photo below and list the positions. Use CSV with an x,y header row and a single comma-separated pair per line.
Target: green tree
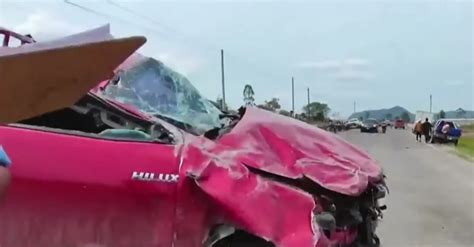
x,y
460,113
388,116
271,105
285,113
366,115
317,110
405,117
442,114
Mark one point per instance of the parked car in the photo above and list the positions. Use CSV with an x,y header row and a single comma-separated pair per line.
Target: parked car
x,y
353,123
399,124
452,135
370,125
144,160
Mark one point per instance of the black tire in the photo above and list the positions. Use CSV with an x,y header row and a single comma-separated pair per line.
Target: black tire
x,y
455,142
243,239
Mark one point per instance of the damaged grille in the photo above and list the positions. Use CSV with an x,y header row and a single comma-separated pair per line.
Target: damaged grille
x,y
344,219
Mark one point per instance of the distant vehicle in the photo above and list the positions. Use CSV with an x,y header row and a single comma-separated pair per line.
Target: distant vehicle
x,y
370,125
399,124
353,123
452,135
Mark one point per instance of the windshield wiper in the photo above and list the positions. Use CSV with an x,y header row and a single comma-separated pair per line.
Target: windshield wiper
x,y
182,125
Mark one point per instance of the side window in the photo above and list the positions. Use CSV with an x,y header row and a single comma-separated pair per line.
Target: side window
x,y
99,124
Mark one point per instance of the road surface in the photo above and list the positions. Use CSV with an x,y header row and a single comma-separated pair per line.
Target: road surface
x,y
431,200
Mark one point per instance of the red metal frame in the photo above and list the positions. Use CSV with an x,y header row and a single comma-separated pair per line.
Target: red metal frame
x,y
24,39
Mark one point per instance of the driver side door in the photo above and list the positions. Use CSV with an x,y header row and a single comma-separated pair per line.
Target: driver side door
x,y
73,190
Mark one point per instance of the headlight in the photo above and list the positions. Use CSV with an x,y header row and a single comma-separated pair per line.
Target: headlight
x,y
324,220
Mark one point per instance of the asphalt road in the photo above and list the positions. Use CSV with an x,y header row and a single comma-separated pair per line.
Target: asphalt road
x,y
431,200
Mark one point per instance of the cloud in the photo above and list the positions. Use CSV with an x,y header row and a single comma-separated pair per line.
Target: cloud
x,y
183,64
353,75
349,69
454,83
44,25
321,65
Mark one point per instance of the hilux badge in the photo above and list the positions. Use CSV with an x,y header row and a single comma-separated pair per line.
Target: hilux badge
x,y
152,177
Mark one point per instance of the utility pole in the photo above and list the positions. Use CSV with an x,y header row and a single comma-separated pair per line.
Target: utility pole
x,y
354,107
307,106
431,103
223,81
293,95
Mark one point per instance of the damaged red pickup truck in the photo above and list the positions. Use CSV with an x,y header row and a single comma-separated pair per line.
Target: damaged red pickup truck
x,y
145,160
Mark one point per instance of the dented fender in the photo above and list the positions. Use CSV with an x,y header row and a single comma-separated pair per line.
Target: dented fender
x,y
285,147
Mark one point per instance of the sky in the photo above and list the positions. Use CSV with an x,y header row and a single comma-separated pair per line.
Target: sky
x,y
376,53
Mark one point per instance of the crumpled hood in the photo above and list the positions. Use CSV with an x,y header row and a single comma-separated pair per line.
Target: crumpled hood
x,y
282,146
291,148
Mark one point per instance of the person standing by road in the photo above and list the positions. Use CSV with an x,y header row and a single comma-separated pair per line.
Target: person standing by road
x,y
426,127
418,130
4,173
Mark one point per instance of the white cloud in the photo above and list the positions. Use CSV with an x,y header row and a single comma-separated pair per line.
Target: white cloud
x,y
44,25
349,69
183,64
454,83
321,65
353,75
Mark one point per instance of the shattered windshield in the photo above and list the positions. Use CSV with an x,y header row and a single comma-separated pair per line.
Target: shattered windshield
x,y
155,89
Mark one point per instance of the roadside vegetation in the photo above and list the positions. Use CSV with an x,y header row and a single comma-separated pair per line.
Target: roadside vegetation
x,y
466,143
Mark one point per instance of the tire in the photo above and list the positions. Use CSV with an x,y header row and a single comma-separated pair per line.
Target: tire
x,y
456,142
243,239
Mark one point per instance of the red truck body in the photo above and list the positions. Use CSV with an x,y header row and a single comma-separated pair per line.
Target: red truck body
x,y
267,175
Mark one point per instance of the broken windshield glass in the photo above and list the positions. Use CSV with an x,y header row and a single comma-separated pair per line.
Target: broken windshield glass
x,y
155,89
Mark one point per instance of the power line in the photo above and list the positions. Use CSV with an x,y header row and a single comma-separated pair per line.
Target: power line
x,y
193,40
144,17
178,34
92,11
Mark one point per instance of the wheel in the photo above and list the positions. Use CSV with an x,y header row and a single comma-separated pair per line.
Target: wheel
x,y
242,239
456,142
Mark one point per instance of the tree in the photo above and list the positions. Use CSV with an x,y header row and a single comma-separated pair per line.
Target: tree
x,y
460,113
388,116
405,117
360,118
248,95
317,110
442,114
285,113
271,105
366,115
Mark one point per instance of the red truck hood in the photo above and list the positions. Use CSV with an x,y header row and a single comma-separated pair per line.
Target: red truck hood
x,y
291,148
281,146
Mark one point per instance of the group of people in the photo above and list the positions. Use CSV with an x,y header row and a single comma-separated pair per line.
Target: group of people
x,y
423,129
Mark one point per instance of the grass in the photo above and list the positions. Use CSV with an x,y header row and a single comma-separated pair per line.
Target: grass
x,y
466,146
468,128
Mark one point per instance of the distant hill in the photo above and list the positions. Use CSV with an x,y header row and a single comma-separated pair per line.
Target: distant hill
x,y
382,114
459,113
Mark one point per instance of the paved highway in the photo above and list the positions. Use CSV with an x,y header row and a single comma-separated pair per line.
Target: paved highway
x,y
431,200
